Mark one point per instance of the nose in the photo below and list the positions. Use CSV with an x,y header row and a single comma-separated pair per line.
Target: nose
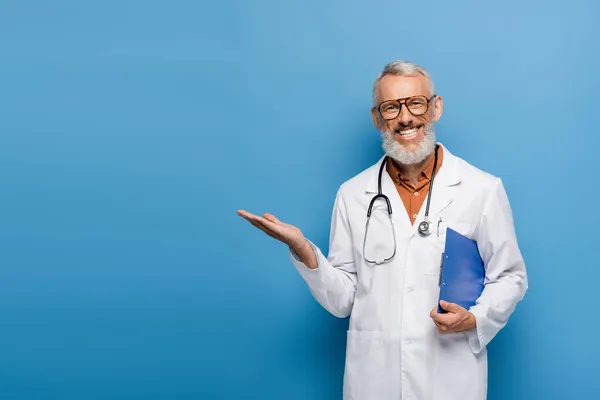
x,y
405,118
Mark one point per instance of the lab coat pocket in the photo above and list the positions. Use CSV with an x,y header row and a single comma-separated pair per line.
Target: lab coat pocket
x,y
437,245
464,228
372,366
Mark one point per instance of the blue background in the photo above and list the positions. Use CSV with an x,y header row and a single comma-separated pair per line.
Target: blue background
x,y
131,132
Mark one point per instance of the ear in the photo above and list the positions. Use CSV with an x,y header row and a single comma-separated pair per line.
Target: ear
x,y
376,119
438,108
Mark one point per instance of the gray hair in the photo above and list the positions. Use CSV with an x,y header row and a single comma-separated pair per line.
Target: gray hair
x,y
403,68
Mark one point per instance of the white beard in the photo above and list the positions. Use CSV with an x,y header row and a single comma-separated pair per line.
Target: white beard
x,y
399,153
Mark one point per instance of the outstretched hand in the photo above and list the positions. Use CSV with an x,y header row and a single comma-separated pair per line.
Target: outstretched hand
x,y
285,233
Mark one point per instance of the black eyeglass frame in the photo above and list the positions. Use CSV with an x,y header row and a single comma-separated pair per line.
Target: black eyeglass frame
x,y
403,101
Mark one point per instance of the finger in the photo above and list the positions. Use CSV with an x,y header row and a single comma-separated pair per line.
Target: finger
x,y
247,216
256,218
451,307
271,217
437,317
244,213
266,223
268,231
441,328
271,228
260,226
445,319
434,314
439,320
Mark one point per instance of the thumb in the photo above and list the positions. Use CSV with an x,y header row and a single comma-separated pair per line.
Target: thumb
x,y
271,218
451,307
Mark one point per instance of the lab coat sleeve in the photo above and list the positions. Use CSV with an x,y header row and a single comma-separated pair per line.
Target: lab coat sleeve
x,y
333,282
505,276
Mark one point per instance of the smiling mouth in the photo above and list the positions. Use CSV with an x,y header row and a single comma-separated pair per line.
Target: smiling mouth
x,y
407,133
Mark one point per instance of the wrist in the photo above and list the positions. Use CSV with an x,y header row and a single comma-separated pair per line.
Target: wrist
x,y
306,254
300,247
472,321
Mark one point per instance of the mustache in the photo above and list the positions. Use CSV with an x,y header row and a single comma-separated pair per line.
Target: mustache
x,y
427,127
400,127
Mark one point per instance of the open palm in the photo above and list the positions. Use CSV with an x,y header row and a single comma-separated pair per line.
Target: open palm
x,y
281,231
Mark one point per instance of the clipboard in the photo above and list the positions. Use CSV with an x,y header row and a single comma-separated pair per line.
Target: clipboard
x,y
462,272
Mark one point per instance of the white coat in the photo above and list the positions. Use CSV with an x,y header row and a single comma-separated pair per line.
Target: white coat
x,y
393,349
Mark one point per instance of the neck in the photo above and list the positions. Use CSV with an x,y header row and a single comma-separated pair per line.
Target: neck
x,y
412,171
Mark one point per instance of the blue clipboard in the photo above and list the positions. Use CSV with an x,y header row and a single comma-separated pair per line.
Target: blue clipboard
x,y
462,272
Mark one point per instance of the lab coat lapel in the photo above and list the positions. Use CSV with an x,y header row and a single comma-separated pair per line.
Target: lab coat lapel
x,y
443,189
443,185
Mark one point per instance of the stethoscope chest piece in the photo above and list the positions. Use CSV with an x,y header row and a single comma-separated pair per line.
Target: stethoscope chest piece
x,y
425,228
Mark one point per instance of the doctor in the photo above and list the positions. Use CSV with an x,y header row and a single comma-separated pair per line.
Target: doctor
x,y
385,274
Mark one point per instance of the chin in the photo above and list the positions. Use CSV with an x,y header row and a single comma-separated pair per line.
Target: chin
x,y
410,145
413,151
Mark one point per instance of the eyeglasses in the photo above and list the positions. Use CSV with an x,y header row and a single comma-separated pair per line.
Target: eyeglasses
x,y
416,105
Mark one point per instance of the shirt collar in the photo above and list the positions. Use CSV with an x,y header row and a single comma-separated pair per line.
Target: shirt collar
x,y
450,173
425,173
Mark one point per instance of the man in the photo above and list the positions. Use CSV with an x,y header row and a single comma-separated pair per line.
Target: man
x,y
386,277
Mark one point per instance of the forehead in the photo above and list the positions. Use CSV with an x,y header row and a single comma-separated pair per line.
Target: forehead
x,y
398,86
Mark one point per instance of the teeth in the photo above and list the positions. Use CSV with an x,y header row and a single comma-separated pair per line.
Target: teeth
x,y
408,132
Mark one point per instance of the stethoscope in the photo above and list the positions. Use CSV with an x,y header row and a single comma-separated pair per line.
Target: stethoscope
x,y
425,227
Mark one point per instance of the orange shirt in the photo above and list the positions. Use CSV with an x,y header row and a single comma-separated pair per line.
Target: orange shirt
x,y
414,197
